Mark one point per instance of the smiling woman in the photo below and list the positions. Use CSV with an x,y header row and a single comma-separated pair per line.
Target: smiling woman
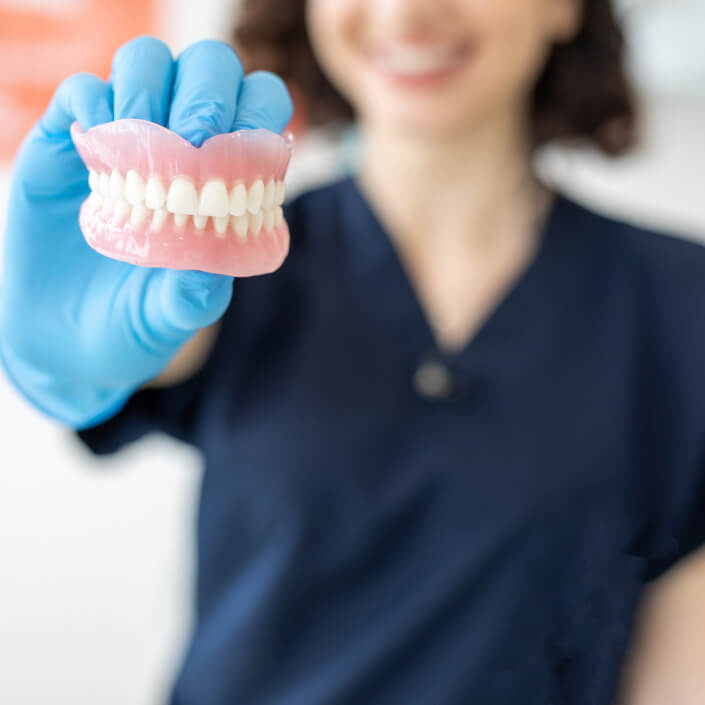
x,y
582,92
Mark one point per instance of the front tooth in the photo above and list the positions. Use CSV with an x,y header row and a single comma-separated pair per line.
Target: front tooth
x,y
241,224
269,219
255,196
134,187
160,216
238,200
281,193
107,207
155,193
138,215
214,199
95,201
221,225
122,210
270,192
256,221
182,197
180,219
93,180
200,221
117,185
278,216
104,185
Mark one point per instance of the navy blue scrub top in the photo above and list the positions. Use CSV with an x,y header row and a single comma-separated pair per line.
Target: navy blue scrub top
x,y
383,523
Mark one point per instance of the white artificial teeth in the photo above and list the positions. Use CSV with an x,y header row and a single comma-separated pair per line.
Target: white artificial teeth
x,y
270,192
255,196
240,225
95,201
155,193
268,219
281,193
134,187
122,210
200,221
256,221
214,199
278,216
159,218
180,219
238,200
106,208
139,215
93,180
221,225
104,185
117,185
182,198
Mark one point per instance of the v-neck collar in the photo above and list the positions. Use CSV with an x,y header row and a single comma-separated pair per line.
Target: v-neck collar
x,y
517,318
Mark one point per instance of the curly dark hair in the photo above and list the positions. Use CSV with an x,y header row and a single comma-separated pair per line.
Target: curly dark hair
x,y
583,94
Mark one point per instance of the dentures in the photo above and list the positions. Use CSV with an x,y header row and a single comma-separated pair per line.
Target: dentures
x,y
156,200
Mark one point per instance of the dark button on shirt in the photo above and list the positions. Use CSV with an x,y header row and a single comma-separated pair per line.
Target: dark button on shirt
x,y
365,539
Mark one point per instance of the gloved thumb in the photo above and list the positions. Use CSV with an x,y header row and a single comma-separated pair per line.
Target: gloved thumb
x,y
179,302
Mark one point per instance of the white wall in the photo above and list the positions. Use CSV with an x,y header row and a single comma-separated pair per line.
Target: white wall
x,y
96,556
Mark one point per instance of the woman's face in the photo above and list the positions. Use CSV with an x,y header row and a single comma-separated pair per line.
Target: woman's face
x,y
437,66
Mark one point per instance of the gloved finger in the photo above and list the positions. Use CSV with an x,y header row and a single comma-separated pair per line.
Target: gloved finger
x,y
83,97
206,89
264,102
141,76
178,301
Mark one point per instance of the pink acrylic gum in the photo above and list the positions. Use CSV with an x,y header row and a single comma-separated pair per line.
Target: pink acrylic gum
x,y
250,163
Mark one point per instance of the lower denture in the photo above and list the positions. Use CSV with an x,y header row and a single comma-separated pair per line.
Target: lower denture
x,y
158,201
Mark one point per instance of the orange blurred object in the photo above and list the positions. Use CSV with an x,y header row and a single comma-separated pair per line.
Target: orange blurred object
x,y
44,41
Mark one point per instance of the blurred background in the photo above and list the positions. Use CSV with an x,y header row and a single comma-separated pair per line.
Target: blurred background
x,y
96,556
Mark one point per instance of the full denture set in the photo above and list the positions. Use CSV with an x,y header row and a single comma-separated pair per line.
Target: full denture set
x,y
156,200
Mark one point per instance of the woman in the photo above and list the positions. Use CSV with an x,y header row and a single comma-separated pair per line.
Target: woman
x,y
449,442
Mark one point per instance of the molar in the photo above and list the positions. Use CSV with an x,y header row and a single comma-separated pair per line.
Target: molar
x,y
281,193
182,198
214,199
93,180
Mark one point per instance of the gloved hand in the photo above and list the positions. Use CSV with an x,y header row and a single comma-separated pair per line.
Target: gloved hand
x,y
80,332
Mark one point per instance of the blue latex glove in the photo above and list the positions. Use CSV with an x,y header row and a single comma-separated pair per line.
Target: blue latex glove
x,y
80,332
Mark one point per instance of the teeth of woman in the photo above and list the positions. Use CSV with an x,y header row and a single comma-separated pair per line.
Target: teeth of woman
x,y
281,193
134,187
182,198
214,199
159,218
104,185
221,225
255,196
200,221
241,225
256,221
270,192
155,193
93,180
122,210
238,200
139,215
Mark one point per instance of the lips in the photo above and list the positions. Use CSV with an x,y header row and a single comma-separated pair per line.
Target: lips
x,y
159,201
